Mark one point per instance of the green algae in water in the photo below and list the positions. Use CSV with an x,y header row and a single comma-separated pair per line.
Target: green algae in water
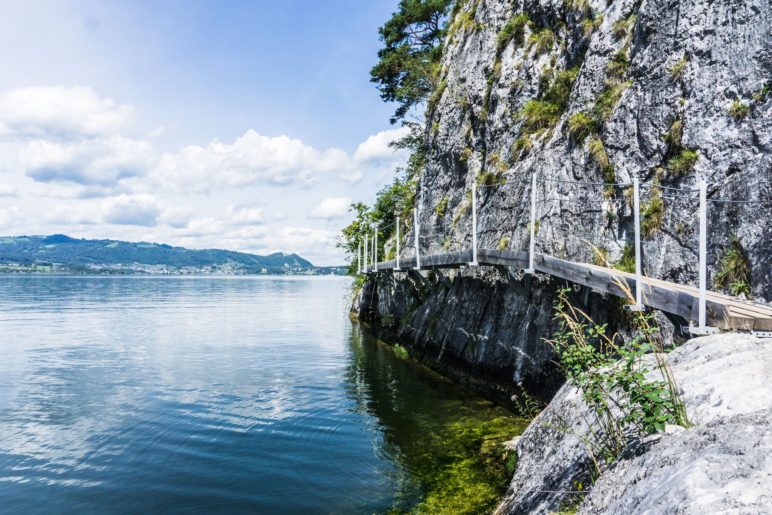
x,y
448,441
472,467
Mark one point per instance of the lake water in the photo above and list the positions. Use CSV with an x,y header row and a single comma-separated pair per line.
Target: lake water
x,y
137,395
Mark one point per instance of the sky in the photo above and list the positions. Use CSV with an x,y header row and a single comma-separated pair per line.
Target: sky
x,y
243,125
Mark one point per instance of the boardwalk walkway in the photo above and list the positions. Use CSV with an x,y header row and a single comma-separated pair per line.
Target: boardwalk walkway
x,y
723,312
705,310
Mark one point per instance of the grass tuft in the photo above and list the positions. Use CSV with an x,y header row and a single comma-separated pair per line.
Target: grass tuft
x,y
683,162
678,70
734,269
739,109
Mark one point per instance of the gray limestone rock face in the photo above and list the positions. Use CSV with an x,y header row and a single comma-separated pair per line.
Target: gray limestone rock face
x,y
659,79
677,69
722,467
719,465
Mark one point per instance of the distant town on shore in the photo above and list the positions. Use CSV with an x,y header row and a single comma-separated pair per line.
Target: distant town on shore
x,y
61,254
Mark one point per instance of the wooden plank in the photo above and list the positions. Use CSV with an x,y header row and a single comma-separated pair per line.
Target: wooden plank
x,y
496,257
723,311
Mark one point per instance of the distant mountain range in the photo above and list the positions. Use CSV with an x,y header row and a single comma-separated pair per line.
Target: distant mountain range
x,y
60,253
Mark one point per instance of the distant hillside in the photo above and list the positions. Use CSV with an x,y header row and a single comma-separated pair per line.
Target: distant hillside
x,y
63,253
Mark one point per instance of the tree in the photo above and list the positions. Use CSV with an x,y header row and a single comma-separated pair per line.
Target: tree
x,y
408,63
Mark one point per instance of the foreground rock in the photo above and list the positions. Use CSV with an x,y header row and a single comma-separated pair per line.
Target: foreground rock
x,y
720,465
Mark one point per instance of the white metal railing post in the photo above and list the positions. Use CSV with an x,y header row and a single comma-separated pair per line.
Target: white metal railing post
x,y
474,224
532,243
365,253
417,247
359,257
703,254
637,220
375,250
397,267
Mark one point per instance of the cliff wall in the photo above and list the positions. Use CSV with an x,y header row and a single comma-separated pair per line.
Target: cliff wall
x,y
591,92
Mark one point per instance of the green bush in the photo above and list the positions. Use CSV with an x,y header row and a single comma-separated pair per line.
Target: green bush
x,y
559,90
522,145
683,162
761,95
491,179
612,378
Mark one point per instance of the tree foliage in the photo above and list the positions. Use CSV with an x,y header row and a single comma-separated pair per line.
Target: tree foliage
x,y
406,72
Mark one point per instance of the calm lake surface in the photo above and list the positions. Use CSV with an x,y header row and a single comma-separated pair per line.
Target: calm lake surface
x,y
137,395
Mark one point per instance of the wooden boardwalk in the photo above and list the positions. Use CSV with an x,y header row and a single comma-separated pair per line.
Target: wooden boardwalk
x,y
723,312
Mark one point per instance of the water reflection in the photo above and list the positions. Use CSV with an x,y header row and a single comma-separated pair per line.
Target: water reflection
x,y
211,394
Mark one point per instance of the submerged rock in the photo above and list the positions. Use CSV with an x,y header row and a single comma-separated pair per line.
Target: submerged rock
x,y
720,464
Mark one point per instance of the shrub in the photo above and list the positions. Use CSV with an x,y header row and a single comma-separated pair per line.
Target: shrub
x,y
612,378
683,162
580,125
678,70
590,24
542,41
442,207
739,109
513,30
734,269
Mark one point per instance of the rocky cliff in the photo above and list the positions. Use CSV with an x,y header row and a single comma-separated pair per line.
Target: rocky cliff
x,y
720,465
592,92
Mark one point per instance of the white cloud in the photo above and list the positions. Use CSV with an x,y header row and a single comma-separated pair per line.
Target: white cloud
x,y
69,162
141,210
60,113
245,215
307,242
176,217
8,216
279,161
6,190
376,147
99,162
332,207
250,159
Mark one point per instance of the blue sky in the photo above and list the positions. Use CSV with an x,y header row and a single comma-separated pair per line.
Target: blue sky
x,y
242,125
